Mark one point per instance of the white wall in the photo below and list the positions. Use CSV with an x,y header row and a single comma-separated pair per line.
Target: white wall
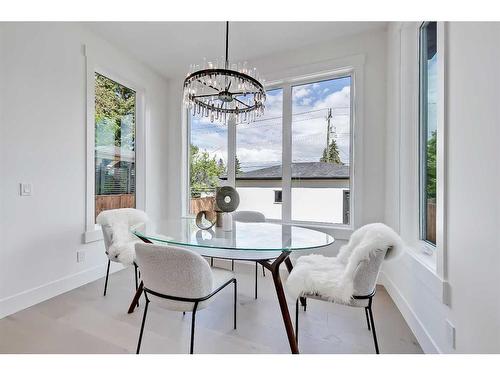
x,y
373,47
43,141
472,211
324,205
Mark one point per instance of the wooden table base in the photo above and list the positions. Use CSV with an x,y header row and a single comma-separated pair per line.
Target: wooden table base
x,y
274,267
137,295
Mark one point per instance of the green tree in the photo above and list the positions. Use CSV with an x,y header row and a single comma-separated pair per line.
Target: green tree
x,y
114,113
221,165
204,171
431,166
237,165
331,155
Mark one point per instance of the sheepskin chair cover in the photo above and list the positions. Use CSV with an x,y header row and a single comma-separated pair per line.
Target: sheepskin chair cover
x,y
333,278
116,225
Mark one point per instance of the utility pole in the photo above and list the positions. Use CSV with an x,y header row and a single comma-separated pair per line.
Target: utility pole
x,y
328,129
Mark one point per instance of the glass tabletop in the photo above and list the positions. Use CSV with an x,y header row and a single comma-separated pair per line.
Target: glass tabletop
x,y
243,236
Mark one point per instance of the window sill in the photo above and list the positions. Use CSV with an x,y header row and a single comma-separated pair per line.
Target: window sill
x,y
339,231
92,236
425,254
423,267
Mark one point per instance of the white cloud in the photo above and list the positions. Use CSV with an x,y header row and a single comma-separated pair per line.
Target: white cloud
x,y
306,101
300,92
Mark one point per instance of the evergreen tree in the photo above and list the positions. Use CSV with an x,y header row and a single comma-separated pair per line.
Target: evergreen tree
x,y
331,155
237,166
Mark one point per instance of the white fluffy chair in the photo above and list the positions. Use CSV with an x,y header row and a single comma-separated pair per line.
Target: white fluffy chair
x,y
179,280
119,242
349,278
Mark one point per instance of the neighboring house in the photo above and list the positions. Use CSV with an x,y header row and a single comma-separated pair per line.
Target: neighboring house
x,y
320,191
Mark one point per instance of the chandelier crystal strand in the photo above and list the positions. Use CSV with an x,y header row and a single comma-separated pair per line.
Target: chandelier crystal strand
x,y
220,90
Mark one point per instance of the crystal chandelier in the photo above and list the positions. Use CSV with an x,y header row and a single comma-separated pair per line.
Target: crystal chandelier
x,y
220,90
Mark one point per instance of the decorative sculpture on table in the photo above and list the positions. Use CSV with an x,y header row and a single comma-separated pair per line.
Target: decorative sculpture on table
x,y
205,219
227,201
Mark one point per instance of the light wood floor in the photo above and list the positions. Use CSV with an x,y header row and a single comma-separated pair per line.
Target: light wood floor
x,y
83,321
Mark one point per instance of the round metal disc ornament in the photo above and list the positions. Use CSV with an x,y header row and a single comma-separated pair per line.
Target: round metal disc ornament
x,y
205,219
227,199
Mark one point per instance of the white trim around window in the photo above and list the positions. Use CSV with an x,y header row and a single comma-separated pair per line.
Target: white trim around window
x,y
96,64
432,257
352,66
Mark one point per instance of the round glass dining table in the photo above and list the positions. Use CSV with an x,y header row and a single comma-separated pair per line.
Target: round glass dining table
x,y
269,244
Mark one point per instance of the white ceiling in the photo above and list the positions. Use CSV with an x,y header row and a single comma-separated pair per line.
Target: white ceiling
x,y
169,47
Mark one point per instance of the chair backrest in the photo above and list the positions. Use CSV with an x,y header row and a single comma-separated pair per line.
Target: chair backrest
x,y
107,234
173,271
249,216
365,279
126,216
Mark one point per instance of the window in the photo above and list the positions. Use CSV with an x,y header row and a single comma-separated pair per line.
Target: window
x,y
320,150
428,130
278,196
292,164
115,140
207,162
258,159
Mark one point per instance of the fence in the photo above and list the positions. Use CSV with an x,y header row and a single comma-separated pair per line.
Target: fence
x,y
431,222
202,204
109,202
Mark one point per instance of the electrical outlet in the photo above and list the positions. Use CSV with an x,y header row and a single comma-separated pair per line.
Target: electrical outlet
x,y
25,189
451,335
80,256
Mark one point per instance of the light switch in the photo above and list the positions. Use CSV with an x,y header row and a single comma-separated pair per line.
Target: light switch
x,y
25,189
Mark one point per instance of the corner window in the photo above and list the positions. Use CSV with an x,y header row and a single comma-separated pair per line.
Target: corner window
x,y
292,164
428,130
115,151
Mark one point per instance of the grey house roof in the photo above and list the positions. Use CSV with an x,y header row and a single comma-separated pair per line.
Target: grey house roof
x,y
304,171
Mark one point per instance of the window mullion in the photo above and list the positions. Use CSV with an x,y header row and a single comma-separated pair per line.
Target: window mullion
x,y
231,151
287,154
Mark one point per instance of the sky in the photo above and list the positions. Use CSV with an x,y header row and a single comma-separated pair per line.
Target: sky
x,y
258,144
431,95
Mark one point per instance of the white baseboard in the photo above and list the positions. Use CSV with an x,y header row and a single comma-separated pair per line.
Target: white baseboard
x,y
423,337
30,297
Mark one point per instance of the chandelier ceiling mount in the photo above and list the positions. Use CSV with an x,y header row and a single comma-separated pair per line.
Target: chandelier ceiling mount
x,y
220,90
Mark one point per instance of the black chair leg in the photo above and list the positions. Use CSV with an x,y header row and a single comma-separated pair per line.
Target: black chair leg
x,y
232,264
136,281
297,321
235,300
263,271
304,302
372,324
193,318
211,262
367,318
142,327
107,275
256,270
